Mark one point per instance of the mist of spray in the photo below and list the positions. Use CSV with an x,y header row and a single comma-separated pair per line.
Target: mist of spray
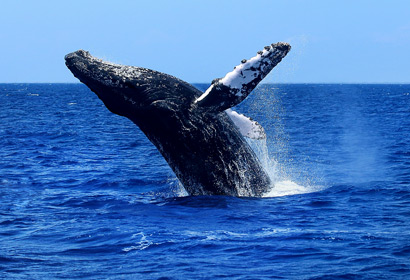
x,y
273,152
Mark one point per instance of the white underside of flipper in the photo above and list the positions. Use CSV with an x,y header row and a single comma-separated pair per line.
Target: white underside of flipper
x,y
247,71
248,128
237,84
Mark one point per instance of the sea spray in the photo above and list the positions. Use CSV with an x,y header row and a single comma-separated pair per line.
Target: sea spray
x,y
282,181
274,151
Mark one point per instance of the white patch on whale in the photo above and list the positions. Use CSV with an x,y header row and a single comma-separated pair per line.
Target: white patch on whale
x,y
248,128
245,72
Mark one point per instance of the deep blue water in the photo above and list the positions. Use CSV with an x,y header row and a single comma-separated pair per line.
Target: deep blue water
x,y
83,193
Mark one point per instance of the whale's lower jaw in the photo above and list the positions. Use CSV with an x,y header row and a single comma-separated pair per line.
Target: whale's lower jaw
x,y
191,130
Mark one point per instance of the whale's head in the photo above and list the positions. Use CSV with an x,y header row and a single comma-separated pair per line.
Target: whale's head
x,y
130,91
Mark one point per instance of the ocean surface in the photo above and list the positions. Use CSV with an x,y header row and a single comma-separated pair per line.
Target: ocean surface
x,y
85,195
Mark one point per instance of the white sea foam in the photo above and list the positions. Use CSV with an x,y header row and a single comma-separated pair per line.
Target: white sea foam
x,y
287,187
142,244
282,182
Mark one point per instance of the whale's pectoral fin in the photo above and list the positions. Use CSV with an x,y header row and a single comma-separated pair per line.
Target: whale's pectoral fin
x,y
248,127
232,89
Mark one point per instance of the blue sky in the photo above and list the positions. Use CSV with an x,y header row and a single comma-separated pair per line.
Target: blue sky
x,y
197,41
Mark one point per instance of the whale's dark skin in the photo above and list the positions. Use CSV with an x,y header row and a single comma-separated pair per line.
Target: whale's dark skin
x,y
196,137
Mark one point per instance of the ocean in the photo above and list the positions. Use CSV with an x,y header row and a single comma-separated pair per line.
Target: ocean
x,y
85,195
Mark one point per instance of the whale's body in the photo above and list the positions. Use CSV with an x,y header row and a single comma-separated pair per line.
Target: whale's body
x,y
193,130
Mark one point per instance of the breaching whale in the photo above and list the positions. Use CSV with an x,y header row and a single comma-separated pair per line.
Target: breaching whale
x,y
196,132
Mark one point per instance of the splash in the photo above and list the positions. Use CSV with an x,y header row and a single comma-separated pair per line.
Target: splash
x,y
177,188
282,182
283,188
282,177
287,179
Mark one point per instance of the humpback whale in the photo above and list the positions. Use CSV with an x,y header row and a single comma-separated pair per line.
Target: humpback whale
x,y
197,133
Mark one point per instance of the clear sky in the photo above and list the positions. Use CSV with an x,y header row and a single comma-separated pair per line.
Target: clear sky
x,y
197,41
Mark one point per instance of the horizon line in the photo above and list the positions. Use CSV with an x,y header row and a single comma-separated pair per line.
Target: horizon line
x,y
279,83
